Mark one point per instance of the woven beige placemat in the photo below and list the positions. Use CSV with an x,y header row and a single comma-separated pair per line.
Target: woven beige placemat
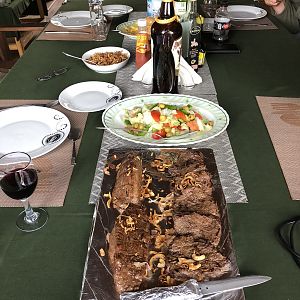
x,y
57,33
282,118
54,168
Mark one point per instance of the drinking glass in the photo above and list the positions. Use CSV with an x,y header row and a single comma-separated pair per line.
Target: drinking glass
x,y
18,180
98,20
210,7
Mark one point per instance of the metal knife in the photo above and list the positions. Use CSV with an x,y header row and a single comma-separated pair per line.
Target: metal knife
x,y
194,290
230,284
67,32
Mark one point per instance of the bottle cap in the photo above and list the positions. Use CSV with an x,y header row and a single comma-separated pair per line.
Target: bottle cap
x,y
142,23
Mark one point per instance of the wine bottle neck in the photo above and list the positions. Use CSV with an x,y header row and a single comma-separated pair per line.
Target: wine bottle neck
x,y
193,4
167,10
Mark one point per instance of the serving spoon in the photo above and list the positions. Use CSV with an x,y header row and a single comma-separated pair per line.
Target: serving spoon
x,y
80,58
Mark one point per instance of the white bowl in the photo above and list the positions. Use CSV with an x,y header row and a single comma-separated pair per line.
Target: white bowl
x,y
109,68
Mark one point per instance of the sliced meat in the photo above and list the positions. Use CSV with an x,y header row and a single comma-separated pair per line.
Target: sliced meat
x,y
200,179
187,161
199,226
128,183
128,249
194,200
213,264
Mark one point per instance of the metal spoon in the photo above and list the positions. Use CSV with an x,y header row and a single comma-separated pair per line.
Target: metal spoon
x,y
74,135
85,60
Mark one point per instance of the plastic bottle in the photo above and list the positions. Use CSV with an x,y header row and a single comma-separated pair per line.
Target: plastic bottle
x,y
143,49
221,23
153,7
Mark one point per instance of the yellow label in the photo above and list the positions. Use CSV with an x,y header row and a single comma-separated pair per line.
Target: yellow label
x,y
142,44
167,0
201,58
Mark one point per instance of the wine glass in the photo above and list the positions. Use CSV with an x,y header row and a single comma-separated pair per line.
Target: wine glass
x,y
18,180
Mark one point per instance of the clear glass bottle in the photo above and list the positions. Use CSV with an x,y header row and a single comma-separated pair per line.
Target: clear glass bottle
x,y
186,26
221,23
166,35
180,7
143,49
195,46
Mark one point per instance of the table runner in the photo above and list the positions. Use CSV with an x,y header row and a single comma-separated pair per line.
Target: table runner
x,y
282,119
228,171
54,168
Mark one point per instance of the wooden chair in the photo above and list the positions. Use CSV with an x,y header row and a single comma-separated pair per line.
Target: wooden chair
x,y
25,32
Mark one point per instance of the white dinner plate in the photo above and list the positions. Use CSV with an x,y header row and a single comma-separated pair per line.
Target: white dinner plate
x,y
35,130
73,19
89,96
113,119
116,10
245,13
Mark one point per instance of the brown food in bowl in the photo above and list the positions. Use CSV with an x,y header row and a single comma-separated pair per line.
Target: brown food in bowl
x,y
107,58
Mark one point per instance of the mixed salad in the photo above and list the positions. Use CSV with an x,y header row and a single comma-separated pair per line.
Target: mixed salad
x,y
164,120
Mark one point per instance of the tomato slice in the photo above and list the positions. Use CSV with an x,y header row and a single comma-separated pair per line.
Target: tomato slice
x,y
193,125
180,115
198,116
157,135
155,114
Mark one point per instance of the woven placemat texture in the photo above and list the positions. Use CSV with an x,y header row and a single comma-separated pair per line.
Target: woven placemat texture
x,y
54,168
282,119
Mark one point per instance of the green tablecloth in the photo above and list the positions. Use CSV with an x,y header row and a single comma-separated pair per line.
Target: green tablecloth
x,y
49,264
9,15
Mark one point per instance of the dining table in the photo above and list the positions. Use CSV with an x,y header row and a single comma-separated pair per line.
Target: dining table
x,y
49,263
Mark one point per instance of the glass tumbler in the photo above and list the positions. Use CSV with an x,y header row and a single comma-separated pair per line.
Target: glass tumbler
x,y
98,20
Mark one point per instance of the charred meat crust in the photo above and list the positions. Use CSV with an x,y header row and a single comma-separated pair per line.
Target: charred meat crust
x,y
128,248
128,183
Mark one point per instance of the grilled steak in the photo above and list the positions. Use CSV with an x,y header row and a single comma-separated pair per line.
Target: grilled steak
x,y
199,226
128,183
194,200
128,249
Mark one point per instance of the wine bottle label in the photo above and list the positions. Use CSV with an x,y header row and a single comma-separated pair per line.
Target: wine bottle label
x,y
180,8
176,51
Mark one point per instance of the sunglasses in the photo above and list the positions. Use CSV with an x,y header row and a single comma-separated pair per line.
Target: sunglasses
x,y
289,235
53,74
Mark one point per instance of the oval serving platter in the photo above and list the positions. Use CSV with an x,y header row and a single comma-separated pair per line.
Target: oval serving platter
x,y
113,117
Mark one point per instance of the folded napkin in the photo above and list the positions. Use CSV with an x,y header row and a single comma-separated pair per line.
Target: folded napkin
x,y
187,76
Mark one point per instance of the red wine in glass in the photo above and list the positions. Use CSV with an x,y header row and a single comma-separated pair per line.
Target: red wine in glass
x,y
18,180
19,184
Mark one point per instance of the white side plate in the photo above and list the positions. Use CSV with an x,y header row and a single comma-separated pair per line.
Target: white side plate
x,y
116,10
32,129
72,19
89,96
245,13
